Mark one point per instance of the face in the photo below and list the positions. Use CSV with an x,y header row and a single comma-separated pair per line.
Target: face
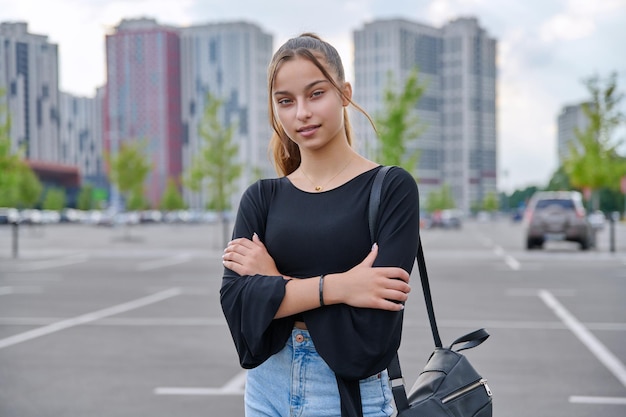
x,y
307,105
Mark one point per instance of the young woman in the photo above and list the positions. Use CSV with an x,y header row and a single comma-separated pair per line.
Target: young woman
x,y
315,310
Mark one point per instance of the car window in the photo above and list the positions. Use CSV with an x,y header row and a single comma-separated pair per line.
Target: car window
x,y
566,204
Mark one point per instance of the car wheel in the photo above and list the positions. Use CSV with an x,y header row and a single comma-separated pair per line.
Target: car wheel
x,y
585,244
534,244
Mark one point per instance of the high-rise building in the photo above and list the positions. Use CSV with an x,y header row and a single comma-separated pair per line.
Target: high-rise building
x,y
29,79
228,61
142,99
81,137
457,111
571,119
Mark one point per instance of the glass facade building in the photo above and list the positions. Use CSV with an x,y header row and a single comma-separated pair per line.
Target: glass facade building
x,y
29,79
457,111
228,61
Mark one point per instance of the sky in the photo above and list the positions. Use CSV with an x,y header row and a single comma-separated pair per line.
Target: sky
x,y
546,48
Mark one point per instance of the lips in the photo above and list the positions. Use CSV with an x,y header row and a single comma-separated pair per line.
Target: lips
x,y
309,128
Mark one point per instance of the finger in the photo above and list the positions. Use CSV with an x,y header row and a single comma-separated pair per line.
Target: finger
x,y
395,284
394,273
234,258
391,306
396,296
256,239
371,257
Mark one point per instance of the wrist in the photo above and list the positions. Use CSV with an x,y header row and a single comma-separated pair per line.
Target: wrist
x,y
331,290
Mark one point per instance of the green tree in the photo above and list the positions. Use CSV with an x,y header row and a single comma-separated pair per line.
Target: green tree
x,y
19,186
440,199
519,198
29,186
490,202
559,181
55,199
9,161
214,168
398,123
171,199
128,170
85,198
593,162
136,199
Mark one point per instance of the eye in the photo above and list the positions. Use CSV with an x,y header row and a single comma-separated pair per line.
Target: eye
x,y
283,101
317,93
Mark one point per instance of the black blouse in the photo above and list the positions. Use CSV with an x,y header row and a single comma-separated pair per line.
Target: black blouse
x,y
309,234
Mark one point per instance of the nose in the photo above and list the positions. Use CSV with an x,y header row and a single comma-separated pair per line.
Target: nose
x,y
303,111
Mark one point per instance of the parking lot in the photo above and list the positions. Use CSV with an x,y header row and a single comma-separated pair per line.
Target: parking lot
x,y
115,321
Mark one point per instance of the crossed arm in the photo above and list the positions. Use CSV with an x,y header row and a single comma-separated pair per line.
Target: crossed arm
x,y
384,288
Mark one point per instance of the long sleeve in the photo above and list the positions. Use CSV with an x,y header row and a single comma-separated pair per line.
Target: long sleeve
x,y
250,303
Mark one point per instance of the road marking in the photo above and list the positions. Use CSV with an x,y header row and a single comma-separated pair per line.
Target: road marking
x,y
160,263
233,387
512,262
19,290
52,263
89,317
605,356
598,400
530,292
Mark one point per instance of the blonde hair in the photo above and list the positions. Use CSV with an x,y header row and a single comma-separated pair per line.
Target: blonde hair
x,y
285,152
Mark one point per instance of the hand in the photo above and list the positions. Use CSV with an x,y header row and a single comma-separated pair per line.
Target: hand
x,y
249,257
384,288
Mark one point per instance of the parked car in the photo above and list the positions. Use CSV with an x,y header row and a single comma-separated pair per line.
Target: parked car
x,y
9,215
557,215
597,220
446,219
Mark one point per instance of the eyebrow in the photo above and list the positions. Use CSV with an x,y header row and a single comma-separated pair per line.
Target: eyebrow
x,y
307,87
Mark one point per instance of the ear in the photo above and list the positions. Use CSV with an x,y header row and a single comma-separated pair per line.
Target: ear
x,y
346,94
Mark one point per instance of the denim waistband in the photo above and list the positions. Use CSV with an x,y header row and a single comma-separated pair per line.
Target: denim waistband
x,y
300,339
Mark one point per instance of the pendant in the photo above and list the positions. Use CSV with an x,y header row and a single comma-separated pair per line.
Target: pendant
x,y
318,188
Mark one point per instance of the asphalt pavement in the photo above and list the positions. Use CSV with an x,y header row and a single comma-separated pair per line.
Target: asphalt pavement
x,y
98,321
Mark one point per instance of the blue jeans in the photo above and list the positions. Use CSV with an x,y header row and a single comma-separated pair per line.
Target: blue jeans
x,y
296,382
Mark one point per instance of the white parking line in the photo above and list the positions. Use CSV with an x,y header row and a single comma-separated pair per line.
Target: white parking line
x,y
597,400
53,263
605,356
512,263
233,387
89,317
160,263
20,290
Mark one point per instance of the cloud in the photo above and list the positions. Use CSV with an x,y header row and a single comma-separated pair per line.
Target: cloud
x,y
567,27
578,20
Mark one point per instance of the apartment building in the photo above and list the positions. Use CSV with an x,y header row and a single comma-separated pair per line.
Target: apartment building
x,y
457,112
571,119
229,61
142,98
81,137
29,79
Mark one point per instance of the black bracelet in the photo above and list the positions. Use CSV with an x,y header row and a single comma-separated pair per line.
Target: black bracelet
x,y
322,290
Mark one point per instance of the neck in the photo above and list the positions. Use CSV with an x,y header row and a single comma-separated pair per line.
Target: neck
x,y
327,174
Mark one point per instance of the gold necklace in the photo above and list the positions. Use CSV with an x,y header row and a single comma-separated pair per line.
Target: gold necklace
x,y
319,188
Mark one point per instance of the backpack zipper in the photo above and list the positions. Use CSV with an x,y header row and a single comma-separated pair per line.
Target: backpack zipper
x,y
466,389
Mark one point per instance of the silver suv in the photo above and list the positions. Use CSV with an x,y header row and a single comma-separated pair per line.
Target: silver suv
x,y
557,215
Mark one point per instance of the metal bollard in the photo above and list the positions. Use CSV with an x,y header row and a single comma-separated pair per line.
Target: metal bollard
x,y
15,226
613,218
